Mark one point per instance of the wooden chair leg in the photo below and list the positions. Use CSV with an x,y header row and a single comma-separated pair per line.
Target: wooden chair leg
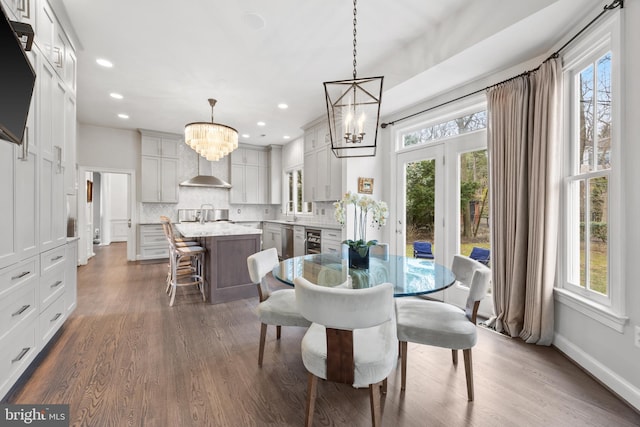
x,y
384,386
454,356
468,369
312,387
403,364
374,397
278,331
263,337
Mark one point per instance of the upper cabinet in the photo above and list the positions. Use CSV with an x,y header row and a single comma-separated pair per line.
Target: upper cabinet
x,y
322,170
159,167
249,176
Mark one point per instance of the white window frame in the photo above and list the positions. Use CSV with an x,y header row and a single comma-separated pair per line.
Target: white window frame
x,y
610,309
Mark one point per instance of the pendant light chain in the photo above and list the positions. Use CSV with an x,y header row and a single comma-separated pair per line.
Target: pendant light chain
x,y
355,22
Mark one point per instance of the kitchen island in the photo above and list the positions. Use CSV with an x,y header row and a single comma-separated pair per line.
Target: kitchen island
x,y
228,246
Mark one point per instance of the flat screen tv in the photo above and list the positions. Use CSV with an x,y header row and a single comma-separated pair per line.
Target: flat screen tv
x,y
17,79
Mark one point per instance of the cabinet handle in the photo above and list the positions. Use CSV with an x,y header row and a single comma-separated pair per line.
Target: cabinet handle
x,y
24,156
55,285
22,310
56,317
25,8
21,355
21,275
58,59
56,258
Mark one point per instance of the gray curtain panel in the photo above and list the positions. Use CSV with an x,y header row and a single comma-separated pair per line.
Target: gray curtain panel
x,y
524,150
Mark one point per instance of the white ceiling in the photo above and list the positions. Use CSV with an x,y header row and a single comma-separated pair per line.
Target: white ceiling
x,y
250,55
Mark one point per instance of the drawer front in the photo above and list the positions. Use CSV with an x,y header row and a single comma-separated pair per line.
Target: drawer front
x,y
51,286
18,307
17,350
18,274
52,259
51,319
331,247
332,235
156,252
152,235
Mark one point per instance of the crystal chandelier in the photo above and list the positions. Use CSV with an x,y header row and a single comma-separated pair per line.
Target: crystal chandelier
x,y
353,109
211,140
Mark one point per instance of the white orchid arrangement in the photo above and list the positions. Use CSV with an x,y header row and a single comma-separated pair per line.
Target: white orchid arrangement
x,y
363,205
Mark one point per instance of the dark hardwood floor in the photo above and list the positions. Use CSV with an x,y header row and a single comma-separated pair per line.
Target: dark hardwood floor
x,y
125,358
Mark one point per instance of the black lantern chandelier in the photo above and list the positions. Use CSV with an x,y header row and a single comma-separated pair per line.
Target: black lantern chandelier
x,y
353,109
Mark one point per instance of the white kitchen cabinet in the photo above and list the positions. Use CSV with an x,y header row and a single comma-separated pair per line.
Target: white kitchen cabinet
x,y
272,237
299,237
275,174
21,10
8,250
249,177
153,243
322,169
331,241
69,150
159,167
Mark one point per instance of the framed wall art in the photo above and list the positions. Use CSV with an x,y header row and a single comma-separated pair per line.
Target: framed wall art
x,y
365,185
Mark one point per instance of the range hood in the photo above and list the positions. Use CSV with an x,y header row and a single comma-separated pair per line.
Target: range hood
x,y
204,180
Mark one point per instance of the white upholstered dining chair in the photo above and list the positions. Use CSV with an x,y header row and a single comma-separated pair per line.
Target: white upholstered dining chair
x,y
444,325
352,339
276,308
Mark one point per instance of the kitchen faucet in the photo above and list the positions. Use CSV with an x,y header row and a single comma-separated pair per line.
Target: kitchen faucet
x,y
203,215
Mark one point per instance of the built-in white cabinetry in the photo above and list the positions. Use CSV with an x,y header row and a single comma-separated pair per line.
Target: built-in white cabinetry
x,y
159,167
299,237
272,237
37,276
322,170
331,241
153,243
249,176
275,174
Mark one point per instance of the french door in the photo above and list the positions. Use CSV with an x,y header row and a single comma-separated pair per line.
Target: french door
x,y
444,199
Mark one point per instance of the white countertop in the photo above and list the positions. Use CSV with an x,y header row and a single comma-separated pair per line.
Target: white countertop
x,y
212,229
305,223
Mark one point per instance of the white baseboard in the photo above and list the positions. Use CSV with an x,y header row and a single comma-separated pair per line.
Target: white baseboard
x,y
602,373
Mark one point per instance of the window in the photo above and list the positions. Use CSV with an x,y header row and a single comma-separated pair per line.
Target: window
x,y
463,124
591,185
294,202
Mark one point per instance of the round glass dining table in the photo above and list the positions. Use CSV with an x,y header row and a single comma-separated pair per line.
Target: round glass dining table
x,y
410,276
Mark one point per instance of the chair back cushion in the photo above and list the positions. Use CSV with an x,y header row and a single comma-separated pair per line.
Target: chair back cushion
x,y
480,283
480,254
463,267
259,264
343,308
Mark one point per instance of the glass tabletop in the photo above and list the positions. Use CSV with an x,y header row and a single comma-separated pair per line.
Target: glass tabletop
x,y
410,276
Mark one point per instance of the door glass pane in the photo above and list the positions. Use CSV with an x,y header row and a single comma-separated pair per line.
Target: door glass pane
x,y
598,250
420,205
474,201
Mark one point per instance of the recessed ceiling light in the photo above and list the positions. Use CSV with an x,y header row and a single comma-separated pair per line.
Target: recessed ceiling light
x,y
283,106
123,116
261,124
104,62
286,137
246,135
116,95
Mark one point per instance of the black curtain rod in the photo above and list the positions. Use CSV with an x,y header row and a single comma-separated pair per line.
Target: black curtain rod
x,y
614,5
